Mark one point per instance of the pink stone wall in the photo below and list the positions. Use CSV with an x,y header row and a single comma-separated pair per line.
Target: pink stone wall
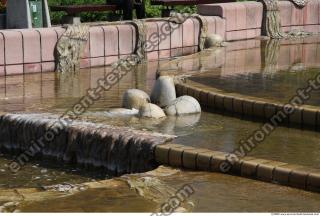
x,y
27,51
307,18
244,19
165,43
32,50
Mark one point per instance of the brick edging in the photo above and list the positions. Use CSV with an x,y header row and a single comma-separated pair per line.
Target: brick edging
x,y
259,169
250,107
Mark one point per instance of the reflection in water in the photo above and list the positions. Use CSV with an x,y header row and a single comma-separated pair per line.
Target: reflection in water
x,y
272,72
173,125
270,56
53,92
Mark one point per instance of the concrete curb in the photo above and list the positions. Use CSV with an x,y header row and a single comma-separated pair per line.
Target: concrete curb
x,y
303,116
24,51
260,169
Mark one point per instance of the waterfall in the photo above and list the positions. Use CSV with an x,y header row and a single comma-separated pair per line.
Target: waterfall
x,y
116,149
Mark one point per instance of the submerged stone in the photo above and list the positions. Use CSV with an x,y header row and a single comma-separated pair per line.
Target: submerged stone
x,y
172,124
183,105
135,98
151,111
118,112
214,40
164,91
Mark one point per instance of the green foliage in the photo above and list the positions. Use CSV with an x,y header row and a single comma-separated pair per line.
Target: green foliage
x,y
155,10
85,17
2,8
151,11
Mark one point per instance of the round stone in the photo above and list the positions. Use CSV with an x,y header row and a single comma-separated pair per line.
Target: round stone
x,y
164,91
213,40
135,98
183,105
151,111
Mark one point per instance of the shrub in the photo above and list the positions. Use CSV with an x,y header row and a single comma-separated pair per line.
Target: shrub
x,y
2,7
151,11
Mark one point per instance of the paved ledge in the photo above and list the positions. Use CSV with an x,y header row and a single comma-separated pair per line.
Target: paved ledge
x,y
32,50
248,167
24,51
244,19
303,116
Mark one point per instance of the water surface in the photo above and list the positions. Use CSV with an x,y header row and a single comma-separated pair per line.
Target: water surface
x,y
273,71
254,68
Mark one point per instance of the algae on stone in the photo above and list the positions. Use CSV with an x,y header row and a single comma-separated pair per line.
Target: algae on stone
x,y
70,47
271,25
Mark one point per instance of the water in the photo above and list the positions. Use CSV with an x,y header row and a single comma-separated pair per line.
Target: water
x,y
47,92
118,150
223,133
269,73
213,192
37,174
237,68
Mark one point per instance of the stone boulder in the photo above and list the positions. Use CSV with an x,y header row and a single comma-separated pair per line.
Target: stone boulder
x,y
183,105
214,40
150,110
134,99
164,91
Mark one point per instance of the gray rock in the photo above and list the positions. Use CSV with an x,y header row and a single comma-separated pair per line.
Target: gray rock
x,y
135,98
151,111
164,91
214,40
183,105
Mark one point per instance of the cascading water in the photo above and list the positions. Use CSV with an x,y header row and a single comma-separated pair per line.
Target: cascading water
x,y
116,149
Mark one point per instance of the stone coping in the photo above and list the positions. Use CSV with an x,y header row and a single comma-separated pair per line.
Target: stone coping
x,y
305,116
24,51
244,19
249,167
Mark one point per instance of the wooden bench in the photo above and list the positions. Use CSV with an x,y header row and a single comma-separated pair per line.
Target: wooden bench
x,y
127,6
172,3
76,9
187,2
73,11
